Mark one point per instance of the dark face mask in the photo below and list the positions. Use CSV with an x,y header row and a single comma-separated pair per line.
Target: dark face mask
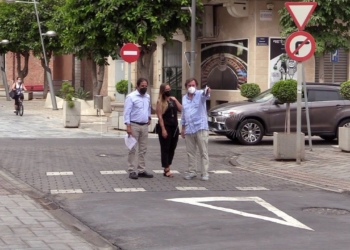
x,y
143,91
167,93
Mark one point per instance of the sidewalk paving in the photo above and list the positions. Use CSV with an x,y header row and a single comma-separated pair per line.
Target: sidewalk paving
x,y
324,167
25,224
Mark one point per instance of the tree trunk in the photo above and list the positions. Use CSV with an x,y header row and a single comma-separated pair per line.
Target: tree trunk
x,y
144,61
22,72
321,69
97,76
288,117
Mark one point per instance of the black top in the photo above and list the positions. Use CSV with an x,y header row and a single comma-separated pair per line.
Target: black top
x,y
170,115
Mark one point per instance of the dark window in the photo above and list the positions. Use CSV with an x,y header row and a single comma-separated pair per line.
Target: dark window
x,y
323,95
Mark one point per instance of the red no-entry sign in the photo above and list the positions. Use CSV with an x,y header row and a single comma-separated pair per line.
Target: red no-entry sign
x,y
300,46
130,52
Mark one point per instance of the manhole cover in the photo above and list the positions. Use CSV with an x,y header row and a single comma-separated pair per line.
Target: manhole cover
x,y
327,210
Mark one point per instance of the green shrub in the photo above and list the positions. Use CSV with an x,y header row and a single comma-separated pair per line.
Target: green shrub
x,y
122,87
345,90
81,94
285,90
67,93
250,90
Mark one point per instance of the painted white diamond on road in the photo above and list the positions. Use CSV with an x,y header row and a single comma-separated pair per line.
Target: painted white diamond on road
x,y
114,172
58,173
252,188
190,188
67,191
119,190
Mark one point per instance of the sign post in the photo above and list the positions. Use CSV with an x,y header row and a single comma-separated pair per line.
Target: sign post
x,y
130,53
334,59
300,46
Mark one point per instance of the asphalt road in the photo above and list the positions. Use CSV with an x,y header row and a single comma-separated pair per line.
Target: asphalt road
x,y
158,214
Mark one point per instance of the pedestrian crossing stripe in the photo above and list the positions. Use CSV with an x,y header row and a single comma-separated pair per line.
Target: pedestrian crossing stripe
x,y
120,190
190,188
220,172
58,173
162,171
252,188
114,172
66,191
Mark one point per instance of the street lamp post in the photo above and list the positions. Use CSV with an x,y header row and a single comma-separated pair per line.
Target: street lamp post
x,y
47,69
192,10
3,72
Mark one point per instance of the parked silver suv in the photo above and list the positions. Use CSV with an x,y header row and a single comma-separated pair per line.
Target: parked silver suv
x,y
248,121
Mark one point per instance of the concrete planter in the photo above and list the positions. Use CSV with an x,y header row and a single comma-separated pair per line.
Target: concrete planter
x,y
71,116
284,146
48,102
344,138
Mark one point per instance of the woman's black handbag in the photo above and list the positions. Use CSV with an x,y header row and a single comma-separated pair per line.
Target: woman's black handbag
x,y
12,94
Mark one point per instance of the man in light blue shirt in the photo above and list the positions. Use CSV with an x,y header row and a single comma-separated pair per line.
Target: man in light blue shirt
x,y
137,117
195,128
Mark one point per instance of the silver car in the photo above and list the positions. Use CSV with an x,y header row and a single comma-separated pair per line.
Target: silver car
x,y
248,121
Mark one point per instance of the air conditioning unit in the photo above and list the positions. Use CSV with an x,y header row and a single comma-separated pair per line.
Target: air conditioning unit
x,y
206,28
237,8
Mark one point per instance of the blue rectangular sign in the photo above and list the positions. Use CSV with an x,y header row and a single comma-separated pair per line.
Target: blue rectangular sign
x,y
262,41
335,56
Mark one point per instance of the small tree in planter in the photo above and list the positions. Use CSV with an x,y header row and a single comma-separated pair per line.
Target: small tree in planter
x,y
286,92
250,90
344,131
284,144
71,108
122,87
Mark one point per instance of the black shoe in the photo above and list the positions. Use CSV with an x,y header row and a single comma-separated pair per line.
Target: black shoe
x,y
133,175
145,175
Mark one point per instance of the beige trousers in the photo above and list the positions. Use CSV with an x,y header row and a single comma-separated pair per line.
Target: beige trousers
x,y
200,140
140,132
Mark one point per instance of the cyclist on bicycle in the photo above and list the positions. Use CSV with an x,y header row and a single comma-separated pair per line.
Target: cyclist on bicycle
x,y
18,86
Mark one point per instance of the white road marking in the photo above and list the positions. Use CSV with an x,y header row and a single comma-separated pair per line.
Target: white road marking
x,y
67,191
162,171
129,190
190,188
58,173
130,53
220,172
252,188
114,172
287,220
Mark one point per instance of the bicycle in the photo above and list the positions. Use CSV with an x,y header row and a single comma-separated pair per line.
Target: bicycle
x,y
20,107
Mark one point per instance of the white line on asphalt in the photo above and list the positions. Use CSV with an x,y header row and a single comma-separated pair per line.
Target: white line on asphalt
x,y
287,220
66,191
190,188
58,173
252,188
162,171
129,190
114,172
220,172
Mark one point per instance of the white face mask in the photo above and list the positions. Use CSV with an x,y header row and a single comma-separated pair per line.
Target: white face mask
x,y
191,90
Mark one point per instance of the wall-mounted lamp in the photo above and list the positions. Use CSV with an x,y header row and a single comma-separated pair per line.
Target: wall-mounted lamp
x,y
270,6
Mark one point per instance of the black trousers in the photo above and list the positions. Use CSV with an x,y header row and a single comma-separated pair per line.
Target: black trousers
x,y
17,97
168,145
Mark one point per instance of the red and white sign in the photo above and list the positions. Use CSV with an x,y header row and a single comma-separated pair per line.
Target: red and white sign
x,y
301,12
130,52
300,46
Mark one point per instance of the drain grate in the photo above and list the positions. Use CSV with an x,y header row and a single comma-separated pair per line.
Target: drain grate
x,y
327,210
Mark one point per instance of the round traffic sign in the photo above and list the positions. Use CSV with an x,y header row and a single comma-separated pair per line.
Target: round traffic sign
x,y
300,46
130,52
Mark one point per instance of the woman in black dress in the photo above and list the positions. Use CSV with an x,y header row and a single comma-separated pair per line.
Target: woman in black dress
x,y
167,127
